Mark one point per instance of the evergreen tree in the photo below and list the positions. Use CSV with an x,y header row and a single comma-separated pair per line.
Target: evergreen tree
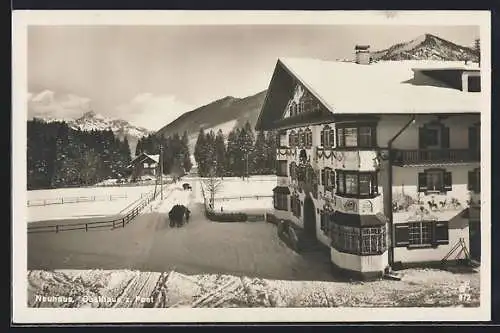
x,y
258,157
220,154
199,152
233,153
271,152
245,142
186,155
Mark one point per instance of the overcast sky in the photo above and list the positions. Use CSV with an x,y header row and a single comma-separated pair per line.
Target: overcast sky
x,y
150,75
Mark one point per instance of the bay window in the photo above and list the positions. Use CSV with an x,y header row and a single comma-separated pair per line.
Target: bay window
x,y
360,241
356,136
357,184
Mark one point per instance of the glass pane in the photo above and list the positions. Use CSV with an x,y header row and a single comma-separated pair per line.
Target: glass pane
x,y
341,188
434,180
364,184
365,136
351,137
341,140
351,184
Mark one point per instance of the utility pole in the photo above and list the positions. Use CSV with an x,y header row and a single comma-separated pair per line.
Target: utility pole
x,y
161,171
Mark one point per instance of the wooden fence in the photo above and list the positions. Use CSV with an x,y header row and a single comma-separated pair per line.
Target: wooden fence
x,y
66,200
119,222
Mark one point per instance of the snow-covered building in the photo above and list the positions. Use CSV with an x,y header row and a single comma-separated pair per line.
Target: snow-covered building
x,y
378,161
144,165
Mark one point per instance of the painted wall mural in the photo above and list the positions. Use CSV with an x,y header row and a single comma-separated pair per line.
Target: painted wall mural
x,y
425,207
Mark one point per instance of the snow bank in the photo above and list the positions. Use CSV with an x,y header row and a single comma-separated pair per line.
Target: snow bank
x,y
124,288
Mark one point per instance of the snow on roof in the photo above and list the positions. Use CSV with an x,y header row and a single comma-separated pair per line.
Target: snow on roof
x,y
155,158
381,87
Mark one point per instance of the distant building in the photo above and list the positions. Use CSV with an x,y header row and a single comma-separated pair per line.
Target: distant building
x,y
379,161
144,166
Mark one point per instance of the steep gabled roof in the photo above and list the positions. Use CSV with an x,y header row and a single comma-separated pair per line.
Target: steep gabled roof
x,y
142,157
378,88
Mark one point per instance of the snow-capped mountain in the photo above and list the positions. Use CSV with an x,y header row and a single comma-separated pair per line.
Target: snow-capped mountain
x,y
427,47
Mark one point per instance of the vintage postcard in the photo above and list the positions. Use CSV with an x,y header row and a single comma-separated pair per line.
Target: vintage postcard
x,y
262,166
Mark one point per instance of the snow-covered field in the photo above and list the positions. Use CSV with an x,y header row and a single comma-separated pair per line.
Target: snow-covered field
x,y
256,206
122,197
125,288
256,185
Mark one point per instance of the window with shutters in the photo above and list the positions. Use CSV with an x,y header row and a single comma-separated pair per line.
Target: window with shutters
x,y
308,138
302,138
327,137
421,234
292,139
355,184
328,179
474,183
434,136
434,181
356,136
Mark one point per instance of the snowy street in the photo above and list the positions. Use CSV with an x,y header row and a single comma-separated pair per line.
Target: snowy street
x,y
125,288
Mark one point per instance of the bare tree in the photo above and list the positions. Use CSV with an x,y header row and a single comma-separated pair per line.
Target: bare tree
x,y
213,185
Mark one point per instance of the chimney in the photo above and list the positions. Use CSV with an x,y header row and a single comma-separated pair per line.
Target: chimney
x,y
362,54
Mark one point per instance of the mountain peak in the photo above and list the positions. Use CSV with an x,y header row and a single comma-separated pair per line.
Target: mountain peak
x,y
427,47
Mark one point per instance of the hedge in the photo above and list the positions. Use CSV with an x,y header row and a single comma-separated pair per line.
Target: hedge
x,y
226,217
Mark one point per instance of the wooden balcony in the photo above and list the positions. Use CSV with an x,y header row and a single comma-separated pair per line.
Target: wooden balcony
x,y
409,157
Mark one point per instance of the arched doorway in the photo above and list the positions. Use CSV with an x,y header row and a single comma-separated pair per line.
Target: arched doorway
x,y
309,218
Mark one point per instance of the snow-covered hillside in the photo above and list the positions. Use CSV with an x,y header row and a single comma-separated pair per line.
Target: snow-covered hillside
x,y
427,47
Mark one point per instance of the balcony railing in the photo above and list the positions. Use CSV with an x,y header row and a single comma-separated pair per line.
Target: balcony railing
x,y
429,156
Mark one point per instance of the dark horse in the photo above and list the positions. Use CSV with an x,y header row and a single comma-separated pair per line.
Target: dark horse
x,y
176,215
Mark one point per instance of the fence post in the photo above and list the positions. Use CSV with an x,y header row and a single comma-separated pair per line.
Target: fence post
x,y
57,228
123,222
86,227
62,200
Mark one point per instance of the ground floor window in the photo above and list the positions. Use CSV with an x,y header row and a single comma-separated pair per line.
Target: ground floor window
x,y
360,241
421,234
280,201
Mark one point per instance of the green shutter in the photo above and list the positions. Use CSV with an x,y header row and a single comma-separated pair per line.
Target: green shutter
x,y
323,177
447,181
322,138
401,235
332,137
422,182
440,233
332,178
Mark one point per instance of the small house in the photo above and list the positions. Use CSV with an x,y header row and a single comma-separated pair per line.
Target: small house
x,y
144,166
